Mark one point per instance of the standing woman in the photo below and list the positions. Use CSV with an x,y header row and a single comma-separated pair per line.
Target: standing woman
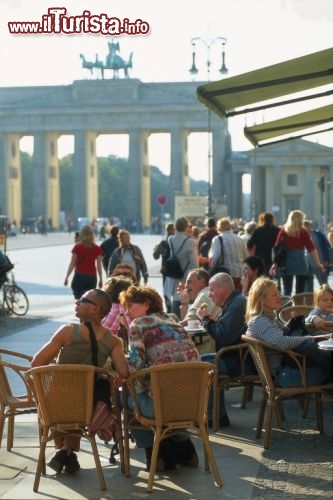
x,y
86,256
295,239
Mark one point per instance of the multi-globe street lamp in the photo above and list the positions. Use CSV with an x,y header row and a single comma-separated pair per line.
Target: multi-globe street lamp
x,y
194,71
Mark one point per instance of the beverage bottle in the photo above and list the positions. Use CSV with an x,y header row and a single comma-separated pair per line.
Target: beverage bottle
x,y
122,332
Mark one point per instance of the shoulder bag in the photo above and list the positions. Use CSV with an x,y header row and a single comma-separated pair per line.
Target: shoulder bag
x,y
173,268
279,254
219,266
102,421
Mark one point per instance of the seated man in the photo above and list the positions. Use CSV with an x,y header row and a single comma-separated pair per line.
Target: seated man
x,y
71,344
193,294
226,330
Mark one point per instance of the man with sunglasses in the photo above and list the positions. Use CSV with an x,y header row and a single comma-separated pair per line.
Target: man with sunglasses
x,y
71,344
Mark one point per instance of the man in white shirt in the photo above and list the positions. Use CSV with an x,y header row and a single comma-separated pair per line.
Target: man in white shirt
x,y
233,250
193,293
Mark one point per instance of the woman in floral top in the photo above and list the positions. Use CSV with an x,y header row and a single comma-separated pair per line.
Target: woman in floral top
x,y
155,339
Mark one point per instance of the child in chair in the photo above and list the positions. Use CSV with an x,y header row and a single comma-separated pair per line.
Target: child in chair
x,y
323,307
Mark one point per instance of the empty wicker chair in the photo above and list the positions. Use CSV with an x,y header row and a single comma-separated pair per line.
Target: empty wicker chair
x,y
273,395
241,379
12,404
302,299
286,313
65,403
180,395
286,300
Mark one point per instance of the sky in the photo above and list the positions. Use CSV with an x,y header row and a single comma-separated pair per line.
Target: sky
x,y
258,33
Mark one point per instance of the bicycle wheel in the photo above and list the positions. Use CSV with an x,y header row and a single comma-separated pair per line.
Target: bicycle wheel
x,y
16,300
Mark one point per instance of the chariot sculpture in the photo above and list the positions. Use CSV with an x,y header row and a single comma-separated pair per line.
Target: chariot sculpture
x,y
113,62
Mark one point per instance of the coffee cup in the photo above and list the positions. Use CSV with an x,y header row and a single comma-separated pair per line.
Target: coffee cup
x,y
193,324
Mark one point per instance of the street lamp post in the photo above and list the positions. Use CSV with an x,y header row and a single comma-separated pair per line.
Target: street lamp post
x,y
194,71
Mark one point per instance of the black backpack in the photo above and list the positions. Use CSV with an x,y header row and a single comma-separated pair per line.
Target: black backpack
x,y
172,267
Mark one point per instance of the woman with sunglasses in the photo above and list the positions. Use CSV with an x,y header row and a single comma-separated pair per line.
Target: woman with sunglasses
x,y
71,344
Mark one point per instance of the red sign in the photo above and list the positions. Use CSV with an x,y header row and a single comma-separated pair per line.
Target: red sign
x,y
161,199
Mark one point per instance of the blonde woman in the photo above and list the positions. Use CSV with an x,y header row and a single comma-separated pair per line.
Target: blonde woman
x,y
262,303
86,257
295,240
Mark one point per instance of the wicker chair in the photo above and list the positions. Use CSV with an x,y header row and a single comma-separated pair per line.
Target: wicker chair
x,y
286,300
180,395
65,402
302,299
273,395
286,313
11,363
224,381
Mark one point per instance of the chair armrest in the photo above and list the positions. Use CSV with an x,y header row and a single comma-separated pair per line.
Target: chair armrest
x,y
299,359
229,348
243,353
21,371
16,354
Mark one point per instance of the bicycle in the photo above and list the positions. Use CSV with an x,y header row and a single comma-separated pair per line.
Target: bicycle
x,y
13,296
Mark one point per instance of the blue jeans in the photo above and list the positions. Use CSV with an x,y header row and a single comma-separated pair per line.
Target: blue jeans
x,y
209,358
287,376
144,438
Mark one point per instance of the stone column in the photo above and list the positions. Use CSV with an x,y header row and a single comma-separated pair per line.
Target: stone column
x,y
46,199
237,195
179,175
330,193
3,177
85,197
254,200
308,198
220,179
139,196
277,200
11,179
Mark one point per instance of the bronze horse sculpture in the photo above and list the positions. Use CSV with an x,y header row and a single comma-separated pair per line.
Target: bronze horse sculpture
x,y
97,64
113,62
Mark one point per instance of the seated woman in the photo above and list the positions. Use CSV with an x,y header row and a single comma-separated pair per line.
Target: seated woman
x,y
154,339
322,307
71,344
253,268
113,286
262,323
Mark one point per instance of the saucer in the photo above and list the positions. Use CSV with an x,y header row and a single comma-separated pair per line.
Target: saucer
x,y
196,329
326,344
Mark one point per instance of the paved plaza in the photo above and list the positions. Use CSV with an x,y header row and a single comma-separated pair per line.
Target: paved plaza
x,y
298,465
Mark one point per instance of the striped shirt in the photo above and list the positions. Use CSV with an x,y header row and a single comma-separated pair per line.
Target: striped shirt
x,y
234,252
266,328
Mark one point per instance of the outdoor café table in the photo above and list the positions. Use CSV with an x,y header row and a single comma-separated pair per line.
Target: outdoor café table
x,y
327,345
196,333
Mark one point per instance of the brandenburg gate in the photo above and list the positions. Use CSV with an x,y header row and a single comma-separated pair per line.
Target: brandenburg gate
x,y
86,109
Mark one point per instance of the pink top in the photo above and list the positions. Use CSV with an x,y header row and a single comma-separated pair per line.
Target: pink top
x,y
111,320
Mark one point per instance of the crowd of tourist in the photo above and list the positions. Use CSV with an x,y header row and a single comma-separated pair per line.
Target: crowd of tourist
x,y
226,285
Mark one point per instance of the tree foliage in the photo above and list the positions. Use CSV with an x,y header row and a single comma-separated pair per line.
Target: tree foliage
x,y
112,186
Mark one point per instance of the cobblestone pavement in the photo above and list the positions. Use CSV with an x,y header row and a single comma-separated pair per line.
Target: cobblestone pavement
x,y
299,463
14,324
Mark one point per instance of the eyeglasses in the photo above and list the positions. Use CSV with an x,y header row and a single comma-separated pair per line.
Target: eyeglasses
x,y
85,300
